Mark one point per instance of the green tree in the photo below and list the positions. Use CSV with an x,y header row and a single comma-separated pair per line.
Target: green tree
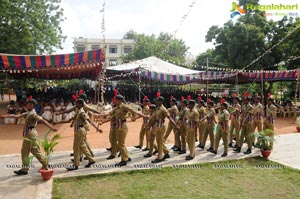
x,y
163,46
30,26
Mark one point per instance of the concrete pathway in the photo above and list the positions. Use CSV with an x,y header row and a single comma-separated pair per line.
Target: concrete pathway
x,y
31,186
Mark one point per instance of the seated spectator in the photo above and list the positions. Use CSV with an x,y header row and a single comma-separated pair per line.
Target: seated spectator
x,y
12,110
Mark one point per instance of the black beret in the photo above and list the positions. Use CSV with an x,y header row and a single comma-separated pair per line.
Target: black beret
x,y
173,100
160,98
146,100
152,106
120,97
32,101
83,96
192,102
185,102
80,101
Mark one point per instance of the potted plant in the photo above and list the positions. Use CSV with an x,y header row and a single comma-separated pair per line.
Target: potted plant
x,y
267,139
298,123
47,145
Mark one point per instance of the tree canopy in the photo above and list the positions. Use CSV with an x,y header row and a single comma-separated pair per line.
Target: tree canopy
x,y
30,26
163,46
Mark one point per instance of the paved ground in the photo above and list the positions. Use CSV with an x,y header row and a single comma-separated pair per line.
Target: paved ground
x,y
286,151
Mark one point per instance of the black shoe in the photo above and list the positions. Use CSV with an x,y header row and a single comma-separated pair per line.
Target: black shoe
x,y
89,164
210,149
138,147
108,149
147,155
189,157
182,152
145,149
156,161
79,160
20,172
248,152
173,147
237,149
110,157
155,152
234,139
230,145
177,149
199,145
213,151
120,164
166,156
196,140
85,158
224,155
72,154
72,168
129,159
235,146
257,145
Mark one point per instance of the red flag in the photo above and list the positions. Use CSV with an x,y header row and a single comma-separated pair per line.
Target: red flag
x,y
234,95
114,99
182,98
172,97
30,97
81,92
223,100
116,92
269,95
148,103
145,98
199,98
74,97
208,100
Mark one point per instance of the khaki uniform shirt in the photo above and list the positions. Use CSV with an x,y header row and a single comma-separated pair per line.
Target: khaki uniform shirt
x,y
31,119
192,118
173,112
80,120
202,112
237,108
271,113
145,111
223,118
210,115
160,114
258,111
247,111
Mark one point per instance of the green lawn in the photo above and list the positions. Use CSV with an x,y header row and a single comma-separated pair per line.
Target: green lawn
x,y
246,181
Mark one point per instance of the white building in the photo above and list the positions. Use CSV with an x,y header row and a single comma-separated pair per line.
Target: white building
x,y
115,48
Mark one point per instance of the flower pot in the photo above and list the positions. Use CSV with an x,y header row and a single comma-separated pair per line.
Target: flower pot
x,y
265,153
47,174
298,128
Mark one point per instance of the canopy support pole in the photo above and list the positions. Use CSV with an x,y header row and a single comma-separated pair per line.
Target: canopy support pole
x,y
262,84
139,84
297,85
206,79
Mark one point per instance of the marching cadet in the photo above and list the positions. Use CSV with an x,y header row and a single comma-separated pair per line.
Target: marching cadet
x,y
31,135
246,126
192,124
143,130
173,111
222,129
81,120
210,117
88,109
182,127
119,113
201,125
151,132
235,122
160,114
258,117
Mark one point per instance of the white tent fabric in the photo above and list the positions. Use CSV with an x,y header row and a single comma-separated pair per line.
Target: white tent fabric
x,y
154,64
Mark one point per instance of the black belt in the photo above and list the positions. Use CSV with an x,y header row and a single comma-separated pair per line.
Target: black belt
x,y
30,127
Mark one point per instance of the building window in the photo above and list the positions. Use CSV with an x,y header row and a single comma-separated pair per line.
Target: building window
x,y
80,48
95,47
127,49
113,62
113,49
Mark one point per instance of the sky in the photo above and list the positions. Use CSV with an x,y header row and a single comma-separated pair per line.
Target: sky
x,y
83,19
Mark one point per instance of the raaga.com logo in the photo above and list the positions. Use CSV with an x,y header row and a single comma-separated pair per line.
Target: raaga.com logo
x,y
238,10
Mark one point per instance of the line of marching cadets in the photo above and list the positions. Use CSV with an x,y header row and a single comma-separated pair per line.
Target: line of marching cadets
x,y
193,122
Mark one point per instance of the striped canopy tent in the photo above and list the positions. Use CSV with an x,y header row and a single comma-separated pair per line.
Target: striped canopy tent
x,y
86,64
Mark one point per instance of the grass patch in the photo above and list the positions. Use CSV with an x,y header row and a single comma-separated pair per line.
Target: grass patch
x,y
246,178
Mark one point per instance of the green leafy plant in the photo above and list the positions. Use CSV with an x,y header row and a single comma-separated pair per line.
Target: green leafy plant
x,y
47,144
267,139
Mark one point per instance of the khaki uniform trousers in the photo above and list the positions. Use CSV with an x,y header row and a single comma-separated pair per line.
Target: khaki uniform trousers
x,y
28,147
80,147
159,132
176,135
143,132
152,144
209,131
257,124
190,138
87,145
113,141
121,137
221,134
182,133
202,128
246,133
234,125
